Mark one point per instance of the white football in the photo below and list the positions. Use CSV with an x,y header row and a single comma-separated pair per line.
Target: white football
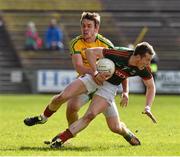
x,y
105,65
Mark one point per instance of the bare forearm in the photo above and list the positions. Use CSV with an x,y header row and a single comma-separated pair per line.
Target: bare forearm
x,y
91,59
92,54
150,95
125,86
79,66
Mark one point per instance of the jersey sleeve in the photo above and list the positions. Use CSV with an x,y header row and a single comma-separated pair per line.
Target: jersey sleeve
x,y
113,52
146,74
74,47
105,51
124,49
106,42
109,43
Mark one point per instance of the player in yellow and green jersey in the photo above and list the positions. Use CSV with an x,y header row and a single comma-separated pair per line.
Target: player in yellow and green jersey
x,y
79,44
90,23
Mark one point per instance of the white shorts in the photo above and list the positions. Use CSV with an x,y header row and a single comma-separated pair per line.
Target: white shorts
x,y
107,91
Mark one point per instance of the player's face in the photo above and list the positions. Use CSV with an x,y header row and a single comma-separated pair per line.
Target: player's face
x,y
88,30
145,61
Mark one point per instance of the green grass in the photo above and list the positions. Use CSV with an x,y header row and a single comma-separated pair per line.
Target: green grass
x,y
161,139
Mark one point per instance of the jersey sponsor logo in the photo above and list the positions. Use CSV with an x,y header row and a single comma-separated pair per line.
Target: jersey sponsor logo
x,y
121,74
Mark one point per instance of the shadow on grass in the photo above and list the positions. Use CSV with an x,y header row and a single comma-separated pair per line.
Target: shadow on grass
x,y
64,148
71,148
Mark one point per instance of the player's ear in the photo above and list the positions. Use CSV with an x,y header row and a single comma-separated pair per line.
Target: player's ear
x,y
97,28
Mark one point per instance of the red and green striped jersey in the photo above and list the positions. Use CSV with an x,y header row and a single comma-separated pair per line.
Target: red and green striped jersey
x,y
120,56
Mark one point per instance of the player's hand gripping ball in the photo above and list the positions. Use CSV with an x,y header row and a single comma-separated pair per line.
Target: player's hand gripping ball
x,y
106,65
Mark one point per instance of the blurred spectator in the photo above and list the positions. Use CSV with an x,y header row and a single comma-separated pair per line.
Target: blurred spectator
x,y
54,36
154,66
33,41
1,19
1,22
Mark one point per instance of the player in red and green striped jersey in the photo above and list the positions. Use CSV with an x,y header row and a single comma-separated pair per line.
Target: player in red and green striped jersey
x,y
127,64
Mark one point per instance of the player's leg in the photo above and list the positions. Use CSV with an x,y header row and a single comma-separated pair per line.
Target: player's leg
x,y
98,105
77,87
116,126
75,103
109,91
73,106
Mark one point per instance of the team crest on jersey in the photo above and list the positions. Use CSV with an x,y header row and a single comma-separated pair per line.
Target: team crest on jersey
x,y
133,72
125,68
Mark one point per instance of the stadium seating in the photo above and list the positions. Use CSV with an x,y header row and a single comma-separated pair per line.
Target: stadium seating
x,y
43,60
121,21
46,5
140,5
9,67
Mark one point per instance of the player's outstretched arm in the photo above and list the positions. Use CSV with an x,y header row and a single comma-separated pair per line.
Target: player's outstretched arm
x,y
125,93
150,95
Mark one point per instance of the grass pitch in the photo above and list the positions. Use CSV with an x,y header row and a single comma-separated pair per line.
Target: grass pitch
x,y
161,139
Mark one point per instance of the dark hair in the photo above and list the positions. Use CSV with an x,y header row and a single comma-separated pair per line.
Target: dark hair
x,y
143,48
91,16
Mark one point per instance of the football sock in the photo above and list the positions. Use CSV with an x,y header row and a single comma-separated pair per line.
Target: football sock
x,y
64,136
47,112
43,117
128,136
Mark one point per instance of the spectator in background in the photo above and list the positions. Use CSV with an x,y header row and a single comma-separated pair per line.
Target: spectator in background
x,y
33,41
54,36
1,22
154,66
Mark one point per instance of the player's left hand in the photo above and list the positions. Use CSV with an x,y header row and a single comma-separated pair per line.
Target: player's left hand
x,y
147,111
124,99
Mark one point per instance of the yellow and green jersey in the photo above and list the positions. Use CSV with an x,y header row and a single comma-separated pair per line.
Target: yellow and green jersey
x,y
78,46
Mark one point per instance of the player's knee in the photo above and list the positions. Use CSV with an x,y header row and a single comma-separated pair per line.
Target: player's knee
x,y
55,99
59,98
